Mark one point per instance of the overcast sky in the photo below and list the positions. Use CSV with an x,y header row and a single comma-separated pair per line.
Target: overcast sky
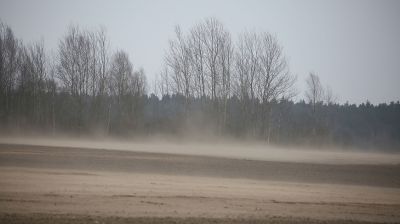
x,y
354,46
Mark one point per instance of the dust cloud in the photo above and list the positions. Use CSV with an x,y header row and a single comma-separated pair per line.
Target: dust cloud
x,y
221,148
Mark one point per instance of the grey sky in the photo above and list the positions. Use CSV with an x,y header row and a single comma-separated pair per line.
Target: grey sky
x,y
352,45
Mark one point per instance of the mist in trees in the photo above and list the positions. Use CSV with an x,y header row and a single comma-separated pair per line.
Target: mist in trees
x,y
209,84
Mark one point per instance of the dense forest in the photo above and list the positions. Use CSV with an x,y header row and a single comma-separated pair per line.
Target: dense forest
x,y
208,86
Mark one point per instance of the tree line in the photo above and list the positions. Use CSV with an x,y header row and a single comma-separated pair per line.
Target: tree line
x,y
209,85
82,87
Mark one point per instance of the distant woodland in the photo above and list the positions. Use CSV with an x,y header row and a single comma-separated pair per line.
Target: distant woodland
x,y
209,86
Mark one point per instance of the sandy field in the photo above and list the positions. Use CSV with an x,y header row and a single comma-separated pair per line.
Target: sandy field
x,y
66,183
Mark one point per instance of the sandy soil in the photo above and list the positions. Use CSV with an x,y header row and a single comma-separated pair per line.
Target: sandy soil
x,y
47,184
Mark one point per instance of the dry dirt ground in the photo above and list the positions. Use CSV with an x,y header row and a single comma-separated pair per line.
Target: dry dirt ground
x,y
49,184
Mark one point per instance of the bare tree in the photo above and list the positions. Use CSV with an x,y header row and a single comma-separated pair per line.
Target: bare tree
x,y
138,83
213,32
315,91
178,60
71,71
163,83
314,94
262,75
100,75
121,72
103,54
51,90
40,74
127,87
30,83
200,65
9,49
214,51
246,70
274,80
329,96
226,63
197,59
82,68
247,65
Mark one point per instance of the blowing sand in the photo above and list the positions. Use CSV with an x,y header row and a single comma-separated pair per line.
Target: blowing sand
x,y
47,184
221,149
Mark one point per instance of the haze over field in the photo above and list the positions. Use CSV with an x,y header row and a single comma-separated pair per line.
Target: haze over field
x,y
222,148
